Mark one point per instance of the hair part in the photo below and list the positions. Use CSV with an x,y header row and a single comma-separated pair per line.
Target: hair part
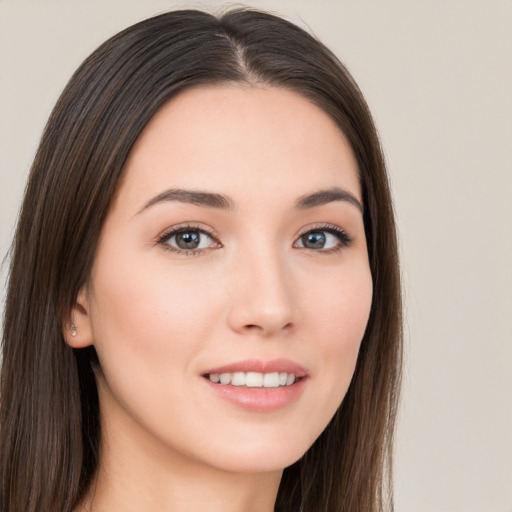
x,y
49,411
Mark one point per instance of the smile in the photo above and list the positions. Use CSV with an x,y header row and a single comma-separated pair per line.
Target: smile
x,y
256,385
254,379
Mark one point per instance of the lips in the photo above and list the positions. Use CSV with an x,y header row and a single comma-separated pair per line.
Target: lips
x,y
261,366
258,385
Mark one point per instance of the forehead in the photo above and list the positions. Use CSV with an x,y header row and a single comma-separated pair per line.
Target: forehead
x,y
240,140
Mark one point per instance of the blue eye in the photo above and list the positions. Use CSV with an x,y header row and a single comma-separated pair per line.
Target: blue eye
x,y
187,239
329,238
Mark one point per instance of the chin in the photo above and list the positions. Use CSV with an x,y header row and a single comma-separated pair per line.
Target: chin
x,y
257,456
261,463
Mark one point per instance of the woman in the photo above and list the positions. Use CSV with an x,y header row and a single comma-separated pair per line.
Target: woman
x,y
204,304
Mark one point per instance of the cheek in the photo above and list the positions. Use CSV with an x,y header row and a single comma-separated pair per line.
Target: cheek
x,y
339,316
149,327
339,306
151,321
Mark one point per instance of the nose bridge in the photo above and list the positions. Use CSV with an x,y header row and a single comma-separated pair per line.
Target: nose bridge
x,y
263,301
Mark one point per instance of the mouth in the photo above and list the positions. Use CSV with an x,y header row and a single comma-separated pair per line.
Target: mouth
x,y
256,385
254,379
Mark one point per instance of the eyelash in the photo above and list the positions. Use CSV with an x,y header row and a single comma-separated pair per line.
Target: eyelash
x,y
345,240
162,239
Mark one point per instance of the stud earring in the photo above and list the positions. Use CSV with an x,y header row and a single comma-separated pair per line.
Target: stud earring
x,y
74,331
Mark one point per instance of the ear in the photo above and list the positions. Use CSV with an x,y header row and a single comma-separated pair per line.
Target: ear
x,y
78,331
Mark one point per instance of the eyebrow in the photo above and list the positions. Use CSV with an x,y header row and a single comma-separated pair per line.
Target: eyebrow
x,y
223,202
205,199
328,196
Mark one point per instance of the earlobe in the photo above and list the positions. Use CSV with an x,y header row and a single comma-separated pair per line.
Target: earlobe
x,y
78,331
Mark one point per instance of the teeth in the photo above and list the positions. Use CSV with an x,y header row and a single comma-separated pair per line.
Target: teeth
x,y
225,378
254,379
238,379
271,380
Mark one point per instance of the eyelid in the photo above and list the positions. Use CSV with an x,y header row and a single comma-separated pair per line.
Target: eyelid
x,y
180,228
345,240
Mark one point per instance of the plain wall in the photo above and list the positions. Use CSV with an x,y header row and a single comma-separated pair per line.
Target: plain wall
x,y
438,78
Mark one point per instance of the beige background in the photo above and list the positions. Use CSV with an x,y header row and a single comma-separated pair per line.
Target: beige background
x,y
438,77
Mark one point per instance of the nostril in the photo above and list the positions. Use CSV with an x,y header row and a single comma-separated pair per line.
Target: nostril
x,y
267,328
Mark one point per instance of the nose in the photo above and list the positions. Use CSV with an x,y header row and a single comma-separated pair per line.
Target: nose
x,y
263,298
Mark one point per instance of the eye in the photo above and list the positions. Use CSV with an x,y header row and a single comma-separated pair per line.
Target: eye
x,y
188,240
326,239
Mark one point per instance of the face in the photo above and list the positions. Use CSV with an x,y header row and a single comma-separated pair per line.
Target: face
x,y
231,285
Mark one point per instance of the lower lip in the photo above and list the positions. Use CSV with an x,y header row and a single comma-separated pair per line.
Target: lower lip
x,y
259,399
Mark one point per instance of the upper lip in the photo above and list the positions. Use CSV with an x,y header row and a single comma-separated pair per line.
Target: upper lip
x,y
261,366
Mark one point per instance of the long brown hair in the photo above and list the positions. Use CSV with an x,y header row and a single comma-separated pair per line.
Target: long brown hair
x,y
49,412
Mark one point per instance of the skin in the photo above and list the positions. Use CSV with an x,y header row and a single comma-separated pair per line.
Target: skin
x,y
160,319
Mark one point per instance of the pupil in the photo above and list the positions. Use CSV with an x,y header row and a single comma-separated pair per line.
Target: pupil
x,y
315,240
187,240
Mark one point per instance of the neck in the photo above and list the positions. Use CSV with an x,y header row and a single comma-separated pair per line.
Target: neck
x,y
186,490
